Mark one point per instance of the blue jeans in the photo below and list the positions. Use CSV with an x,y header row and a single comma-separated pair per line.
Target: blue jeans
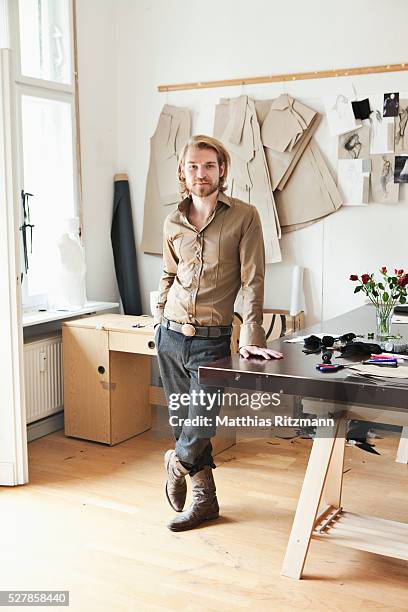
x,y
179,357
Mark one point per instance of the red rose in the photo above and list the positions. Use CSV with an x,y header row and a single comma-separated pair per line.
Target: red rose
x,y
365,278
384,270
400,272
353,277
403,280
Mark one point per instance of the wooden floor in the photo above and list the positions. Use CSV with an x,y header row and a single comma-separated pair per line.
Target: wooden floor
x,y
92,521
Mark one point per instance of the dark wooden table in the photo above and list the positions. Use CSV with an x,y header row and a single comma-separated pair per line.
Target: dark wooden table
x,y
296,373
340,395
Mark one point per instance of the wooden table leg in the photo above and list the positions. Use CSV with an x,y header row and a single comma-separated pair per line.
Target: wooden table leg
x,y
334,478
324,446
402,453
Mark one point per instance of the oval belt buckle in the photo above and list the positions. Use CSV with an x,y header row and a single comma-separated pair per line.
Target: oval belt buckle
x,y
188,330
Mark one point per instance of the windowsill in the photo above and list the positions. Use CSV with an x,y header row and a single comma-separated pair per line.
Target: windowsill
x,y
33,317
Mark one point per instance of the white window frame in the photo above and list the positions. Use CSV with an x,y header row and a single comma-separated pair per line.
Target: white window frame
x,y
42,88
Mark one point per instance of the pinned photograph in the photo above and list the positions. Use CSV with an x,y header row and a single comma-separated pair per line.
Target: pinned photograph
x,y
355,144
383,188
381,128
401,128
391,104
361,109
353,181
401,169
339,111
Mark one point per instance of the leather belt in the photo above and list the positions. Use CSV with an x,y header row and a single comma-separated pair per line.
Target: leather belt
x,y
187,329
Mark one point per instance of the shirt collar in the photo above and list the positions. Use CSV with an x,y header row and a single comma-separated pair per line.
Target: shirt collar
x,y
222,197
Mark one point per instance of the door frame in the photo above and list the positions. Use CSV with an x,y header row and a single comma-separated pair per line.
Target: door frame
x,y
13,431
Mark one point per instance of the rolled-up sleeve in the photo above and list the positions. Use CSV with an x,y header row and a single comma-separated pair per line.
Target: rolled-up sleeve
x,y
170,262
252,258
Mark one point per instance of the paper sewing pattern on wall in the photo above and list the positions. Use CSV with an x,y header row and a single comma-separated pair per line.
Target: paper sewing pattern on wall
x,y
237,126
161,196
276,161
282,160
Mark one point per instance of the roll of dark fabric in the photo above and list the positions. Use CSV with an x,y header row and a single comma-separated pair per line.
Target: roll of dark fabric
x,y
124,250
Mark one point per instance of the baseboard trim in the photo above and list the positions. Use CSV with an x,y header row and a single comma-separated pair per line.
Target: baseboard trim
x,y
41,428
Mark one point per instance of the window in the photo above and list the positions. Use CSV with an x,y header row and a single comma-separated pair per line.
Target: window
x,y
46,134
45,40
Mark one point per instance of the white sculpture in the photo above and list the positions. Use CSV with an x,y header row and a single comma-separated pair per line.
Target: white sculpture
x,y
69,287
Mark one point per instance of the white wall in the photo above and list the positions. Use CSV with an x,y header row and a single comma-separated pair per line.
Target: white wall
x,y
171,41
98,91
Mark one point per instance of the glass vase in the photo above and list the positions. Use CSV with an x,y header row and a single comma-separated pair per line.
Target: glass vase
x,y
383,323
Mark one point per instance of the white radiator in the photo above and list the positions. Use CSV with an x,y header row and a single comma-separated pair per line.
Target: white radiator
x,y
43,377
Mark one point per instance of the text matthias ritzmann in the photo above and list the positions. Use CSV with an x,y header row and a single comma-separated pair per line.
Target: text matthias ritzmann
x,y
253,421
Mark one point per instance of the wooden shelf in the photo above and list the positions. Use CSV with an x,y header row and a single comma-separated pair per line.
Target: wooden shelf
x,y
293,76
368,533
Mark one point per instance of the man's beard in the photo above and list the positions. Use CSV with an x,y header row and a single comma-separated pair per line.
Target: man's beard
x,y
203,190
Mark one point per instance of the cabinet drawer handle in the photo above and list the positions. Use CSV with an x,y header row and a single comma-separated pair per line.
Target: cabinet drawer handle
x,y
151,344
101,370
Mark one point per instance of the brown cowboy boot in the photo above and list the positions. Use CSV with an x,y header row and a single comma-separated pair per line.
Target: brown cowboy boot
x,y
204,507
176,486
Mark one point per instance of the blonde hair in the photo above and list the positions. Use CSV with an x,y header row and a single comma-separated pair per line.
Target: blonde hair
x,y
204,142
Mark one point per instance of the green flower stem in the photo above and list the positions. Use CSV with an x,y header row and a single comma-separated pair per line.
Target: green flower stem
x,y
384,308
389,287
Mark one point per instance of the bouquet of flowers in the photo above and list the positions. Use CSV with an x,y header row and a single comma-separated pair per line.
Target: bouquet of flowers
x,y
385,294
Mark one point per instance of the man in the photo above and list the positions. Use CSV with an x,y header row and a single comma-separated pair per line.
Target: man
x,y
212,246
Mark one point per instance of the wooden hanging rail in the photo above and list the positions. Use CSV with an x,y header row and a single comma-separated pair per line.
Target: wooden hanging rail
x,y
295,76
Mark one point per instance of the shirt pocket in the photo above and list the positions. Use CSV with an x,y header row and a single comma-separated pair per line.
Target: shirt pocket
x,y
184,246
177,241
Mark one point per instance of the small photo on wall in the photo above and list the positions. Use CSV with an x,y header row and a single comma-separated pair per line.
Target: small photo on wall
x,y
401,169
383,188
381,128
339,111
401,128
391,104
353,182
355,144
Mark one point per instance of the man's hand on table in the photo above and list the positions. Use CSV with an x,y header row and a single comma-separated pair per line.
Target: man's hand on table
x,y
257,351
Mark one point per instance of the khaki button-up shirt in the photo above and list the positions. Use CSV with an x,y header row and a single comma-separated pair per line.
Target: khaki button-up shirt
x,y
204,270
